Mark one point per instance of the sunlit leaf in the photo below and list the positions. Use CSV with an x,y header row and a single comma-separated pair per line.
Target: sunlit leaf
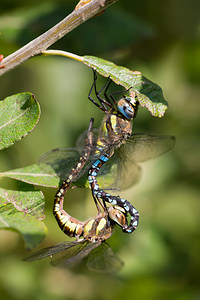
x,y
34,174
148,93
18,116
22,212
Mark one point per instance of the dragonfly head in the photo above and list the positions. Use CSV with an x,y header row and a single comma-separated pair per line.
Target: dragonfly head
x,y
128,106
118,215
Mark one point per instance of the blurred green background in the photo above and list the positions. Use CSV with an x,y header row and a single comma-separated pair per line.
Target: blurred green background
x,y
162,40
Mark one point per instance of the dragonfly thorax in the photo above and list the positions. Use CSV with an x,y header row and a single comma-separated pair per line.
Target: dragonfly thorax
x,y
100,228
114,132
97,229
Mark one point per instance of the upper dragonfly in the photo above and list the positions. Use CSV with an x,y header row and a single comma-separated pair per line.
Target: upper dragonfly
x,y
113,153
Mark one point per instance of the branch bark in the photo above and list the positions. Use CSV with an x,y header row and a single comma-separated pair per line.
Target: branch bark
x,y
41,43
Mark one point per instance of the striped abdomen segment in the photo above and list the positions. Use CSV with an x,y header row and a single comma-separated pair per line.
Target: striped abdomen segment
x,y
68,225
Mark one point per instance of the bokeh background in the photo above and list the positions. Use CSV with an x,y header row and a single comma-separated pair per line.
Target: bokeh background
x,y
162,40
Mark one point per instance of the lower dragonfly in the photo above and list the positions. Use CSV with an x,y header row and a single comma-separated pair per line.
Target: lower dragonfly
x,y
112,153
91,242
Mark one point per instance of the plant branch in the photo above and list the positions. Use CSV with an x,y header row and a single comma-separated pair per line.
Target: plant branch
x,y
41,43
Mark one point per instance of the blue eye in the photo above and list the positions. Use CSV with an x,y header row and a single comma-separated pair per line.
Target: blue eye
x,y
125,109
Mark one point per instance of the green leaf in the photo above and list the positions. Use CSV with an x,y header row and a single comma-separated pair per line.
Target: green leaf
x,y
22,212
18,116
42,175
148,93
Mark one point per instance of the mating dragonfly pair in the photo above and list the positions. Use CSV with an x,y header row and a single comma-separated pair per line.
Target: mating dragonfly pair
x,y
112,153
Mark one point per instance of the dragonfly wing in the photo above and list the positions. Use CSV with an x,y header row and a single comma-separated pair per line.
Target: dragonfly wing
x,y
121,170
103,259
129,174
49,251
142,147
107,175
118,173
73,254
62,160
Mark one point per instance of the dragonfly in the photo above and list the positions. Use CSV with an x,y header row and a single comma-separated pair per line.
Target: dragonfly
x,y
112,155
90,243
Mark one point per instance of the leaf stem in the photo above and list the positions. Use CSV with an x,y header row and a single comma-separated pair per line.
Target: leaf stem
x,y
62,53
41,43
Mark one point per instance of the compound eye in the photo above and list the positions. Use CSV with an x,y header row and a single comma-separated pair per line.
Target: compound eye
x,y
128,112
117,215
125,109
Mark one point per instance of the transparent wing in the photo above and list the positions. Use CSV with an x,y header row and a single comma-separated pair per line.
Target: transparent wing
x,y
64,254
49,251
142,147
68,254
103,259
62,160
118,173
138,148
73,255
121,171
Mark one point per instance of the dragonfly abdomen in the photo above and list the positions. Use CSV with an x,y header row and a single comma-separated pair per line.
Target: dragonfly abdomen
x,y
113,200
70,225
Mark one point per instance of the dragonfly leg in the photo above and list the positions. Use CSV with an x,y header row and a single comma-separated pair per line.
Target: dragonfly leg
x,y
102,101
96,201
106,86
104,109
116,93
95,193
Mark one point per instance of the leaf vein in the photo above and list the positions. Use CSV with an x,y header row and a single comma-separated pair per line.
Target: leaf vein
x,y
27,174
12,120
